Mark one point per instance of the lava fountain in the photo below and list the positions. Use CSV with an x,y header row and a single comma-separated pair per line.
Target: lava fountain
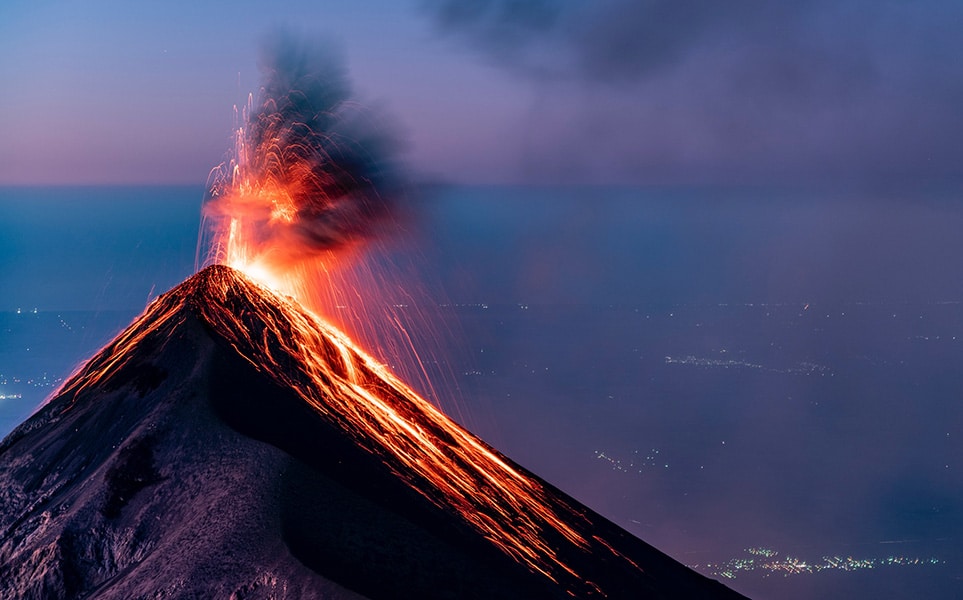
x,y
307,183
310,177
307,204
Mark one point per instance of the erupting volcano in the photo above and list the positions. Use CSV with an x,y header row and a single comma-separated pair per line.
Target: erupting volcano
x,y
231,444
310,178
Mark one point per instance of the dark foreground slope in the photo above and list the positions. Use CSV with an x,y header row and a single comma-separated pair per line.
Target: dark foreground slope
x,y
228,445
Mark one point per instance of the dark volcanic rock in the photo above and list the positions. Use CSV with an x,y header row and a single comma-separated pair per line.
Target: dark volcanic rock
x,y
178,463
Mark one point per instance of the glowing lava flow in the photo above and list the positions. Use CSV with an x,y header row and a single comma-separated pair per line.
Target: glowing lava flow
x,y
348,388
304,186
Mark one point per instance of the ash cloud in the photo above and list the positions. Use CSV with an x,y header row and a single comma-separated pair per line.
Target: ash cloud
x,y
814,88
609,40
313,169
624,41
505,29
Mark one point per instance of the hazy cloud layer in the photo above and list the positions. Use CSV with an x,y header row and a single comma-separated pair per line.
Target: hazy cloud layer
x,y
689,88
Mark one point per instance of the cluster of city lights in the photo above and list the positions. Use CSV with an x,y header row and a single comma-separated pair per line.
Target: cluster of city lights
x,y
807,368
637,463
769,563
37,382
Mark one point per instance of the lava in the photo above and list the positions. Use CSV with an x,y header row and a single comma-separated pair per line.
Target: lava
x,y
309,178
307,203
435,456
304,187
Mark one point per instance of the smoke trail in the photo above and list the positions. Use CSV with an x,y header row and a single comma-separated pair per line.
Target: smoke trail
x,y
311,171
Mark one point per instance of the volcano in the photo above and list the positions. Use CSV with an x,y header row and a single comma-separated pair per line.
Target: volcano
x,y
229,444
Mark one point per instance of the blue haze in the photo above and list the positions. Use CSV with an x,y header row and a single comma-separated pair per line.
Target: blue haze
x,y
713,369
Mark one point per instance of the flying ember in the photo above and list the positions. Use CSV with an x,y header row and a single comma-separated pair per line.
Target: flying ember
x,y
308,181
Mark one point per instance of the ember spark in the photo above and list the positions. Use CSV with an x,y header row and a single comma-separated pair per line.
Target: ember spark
x,y
309,177
305,186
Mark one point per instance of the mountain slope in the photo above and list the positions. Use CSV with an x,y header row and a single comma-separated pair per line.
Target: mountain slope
x,y
229,444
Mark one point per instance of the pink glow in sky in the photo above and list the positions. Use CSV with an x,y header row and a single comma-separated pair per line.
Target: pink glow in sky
x,y
501,92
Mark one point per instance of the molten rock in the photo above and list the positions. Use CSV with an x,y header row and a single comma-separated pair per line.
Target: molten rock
x,y
230,445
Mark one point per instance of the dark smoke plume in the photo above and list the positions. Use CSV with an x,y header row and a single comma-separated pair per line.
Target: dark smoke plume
x,y
312,170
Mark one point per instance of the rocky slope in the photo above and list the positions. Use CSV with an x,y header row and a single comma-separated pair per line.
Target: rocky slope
x,y
229,445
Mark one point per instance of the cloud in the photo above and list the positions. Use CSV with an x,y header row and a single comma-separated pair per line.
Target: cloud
x,y
808,89
609,40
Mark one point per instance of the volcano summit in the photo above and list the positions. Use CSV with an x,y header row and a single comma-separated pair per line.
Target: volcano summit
x,y
228,444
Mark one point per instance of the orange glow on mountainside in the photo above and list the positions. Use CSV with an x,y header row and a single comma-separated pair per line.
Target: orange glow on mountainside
x,y
304,188
348,388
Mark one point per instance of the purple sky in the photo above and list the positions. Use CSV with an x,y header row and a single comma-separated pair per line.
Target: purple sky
x,y
613,91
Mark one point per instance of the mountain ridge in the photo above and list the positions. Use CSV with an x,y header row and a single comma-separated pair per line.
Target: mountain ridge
x,y
227,410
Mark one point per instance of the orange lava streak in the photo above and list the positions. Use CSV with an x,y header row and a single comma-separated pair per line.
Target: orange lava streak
x,y
363,398
288,212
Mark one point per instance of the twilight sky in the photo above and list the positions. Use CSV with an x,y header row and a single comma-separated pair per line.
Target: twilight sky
x,y
512,91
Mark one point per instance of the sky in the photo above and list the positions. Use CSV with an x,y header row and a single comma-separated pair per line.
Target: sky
x,y
654,93
502,91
